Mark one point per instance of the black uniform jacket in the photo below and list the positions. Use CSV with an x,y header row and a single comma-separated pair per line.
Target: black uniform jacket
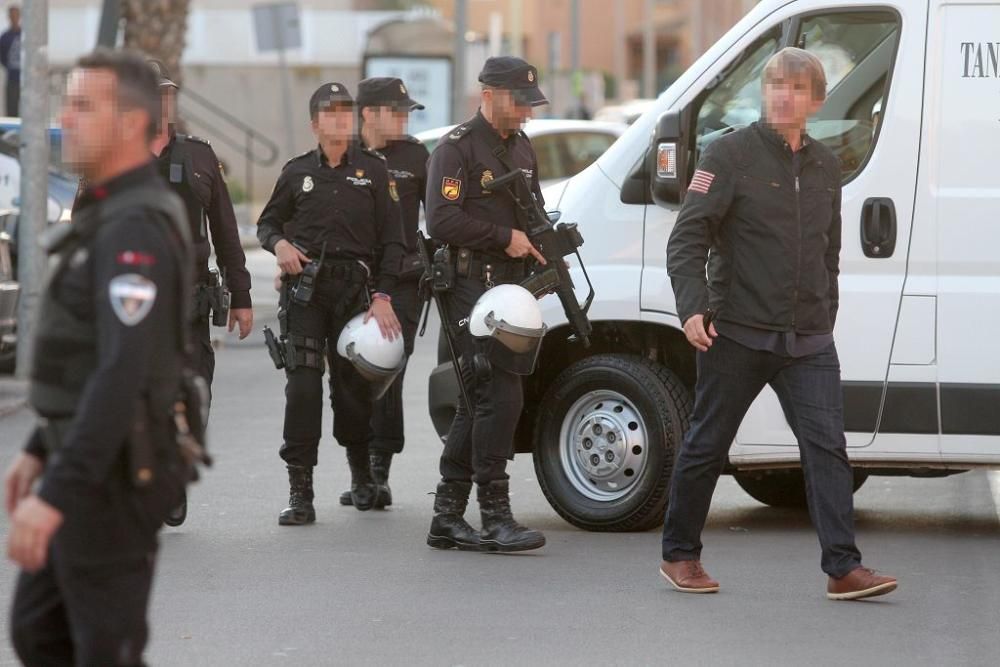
x,y
767,222
407,162
459,210
125,279
349,206
205,188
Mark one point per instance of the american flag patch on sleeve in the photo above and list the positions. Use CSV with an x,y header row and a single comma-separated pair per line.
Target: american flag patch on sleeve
x,y
701,181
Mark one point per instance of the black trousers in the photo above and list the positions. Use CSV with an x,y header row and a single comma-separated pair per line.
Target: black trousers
x,y
202,353
730,376
333,304
387,419
12,97
76,614
479,445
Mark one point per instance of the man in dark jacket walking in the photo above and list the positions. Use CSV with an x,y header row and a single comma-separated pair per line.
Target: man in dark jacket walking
x,y
763,212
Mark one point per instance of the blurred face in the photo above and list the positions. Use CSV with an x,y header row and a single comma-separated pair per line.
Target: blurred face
x,y
95,126
508,116
15,16
789,100
334,124
388,122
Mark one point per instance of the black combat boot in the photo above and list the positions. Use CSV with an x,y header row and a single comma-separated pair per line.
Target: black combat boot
x,y
501,533
449,529
380,462
300,496
178,514
364,492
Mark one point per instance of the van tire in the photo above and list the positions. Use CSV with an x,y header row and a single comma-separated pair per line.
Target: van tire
x,y
783,488
639,399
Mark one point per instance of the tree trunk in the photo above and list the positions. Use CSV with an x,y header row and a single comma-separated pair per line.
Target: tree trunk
x,y
158,29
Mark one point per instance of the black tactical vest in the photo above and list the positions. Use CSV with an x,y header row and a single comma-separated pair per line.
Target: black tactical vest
x,y
66,346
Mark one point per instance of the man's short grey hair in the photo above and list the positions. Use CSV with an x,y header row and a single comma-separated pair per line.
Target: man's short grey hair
x,y
791,62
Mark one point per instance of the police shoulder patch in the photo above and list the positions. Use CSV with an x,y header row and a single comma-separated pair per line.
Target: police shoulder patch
x,y
451,188
132,297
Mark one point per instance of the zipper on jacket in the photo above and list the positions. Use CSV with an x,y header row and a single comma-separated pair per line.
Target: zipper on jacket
x,y
798,248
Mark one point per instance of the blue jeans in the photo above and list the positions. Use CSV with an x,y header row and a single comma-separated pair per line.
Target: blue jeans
x,y
730,376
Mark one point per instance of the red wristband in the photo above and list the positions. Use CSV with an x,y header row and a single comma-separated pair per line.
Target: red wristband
x,y
382,295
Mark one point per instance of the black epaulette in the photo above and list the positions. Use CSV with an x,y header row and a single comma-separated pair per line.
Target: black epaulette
x,y
372,152
458,132
299,157
409,138
191,137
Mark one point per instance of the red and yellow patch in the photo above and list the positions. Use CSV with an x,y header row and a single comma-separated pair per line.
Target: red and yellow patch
x,y
393,192
451,188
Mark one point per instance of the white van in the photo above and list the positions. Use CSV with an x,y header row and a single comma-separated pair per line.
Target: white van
x,y
913,113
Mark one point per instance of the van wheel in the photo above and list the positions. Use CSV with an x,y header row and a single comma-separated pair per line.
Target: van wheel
x,y
783,488
605,441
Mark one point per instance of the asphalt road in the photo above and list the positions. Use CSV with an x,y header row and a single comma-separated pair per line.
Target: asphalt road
x,y
234,588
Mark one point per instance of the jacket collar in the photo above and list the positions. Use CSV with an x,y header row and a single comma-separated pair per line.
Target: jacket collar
x,y
771,136
348,158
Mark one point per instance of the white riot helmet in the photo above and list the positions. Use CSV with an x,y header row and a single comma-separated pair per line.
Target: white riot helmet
x,y
508,318
377,360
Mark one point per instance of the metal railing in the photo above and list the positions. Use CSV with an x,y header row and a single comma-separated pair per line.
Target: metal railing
x,y
256,148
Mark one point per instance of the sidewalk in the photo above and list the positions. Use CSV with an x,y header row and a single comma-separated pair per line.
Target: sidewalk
x,y
13,395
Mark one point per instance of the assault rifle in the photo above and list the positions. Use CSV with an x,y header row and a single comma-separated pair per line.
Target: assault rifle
x,y
554,242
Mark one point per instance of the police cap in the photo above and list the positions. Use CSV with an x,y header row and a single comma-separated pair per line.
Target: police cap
x,y
515,75
385,91
161,74
329,95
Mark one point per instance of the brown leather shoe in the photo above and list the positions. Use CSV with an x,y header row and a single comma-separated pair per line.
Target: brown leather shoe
x,y
860,582
688,576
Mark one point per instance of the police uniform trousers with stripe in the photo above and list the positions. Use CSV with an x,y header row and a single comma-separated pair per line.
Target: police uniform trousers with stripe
x,y
479,445
314,329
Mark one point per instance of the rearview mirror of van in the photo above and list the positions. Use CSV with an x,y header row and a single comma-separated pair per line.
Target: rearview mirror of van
x,y
668,156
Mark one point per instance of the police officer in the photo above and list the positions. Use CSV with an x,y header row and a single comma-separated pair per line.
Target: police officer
x,y
385,107
105,375
193,171
482,229
334,206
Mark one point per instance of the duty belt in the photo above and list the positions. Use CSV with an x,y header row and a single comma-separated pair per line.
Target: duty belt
x,y
490,269
350,270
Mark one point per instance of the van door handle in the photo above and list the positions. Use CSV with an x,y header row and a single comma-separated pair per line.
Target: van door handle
x,y
878,227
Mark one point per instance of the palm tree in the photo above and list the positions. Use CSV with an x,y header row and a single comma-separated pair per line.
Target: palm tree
x,y
158,29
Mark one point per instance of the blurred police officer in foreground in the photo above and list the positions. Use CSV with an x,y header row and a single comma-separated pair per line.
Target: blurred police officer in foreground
x,y
482,230
765,198
334,226
106,373
192,169
385,107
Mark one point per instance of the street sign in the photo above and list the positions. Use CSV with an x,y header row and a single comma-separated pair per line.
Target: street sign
x,y
277,26
428,81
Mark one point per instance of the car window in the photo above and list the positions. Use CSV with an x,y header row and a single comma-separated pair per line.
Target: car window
x,y
550,164
581,149
857,51
734,100
856,48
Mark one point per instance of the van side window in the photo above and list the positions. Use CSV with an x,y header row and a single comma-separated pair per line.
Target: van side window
x,y
734,100
857,49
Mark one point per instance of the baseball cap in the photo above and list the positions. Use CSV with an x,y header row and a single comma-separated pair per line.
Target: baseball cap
x,y
328,95
386,91
162,74
515,75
